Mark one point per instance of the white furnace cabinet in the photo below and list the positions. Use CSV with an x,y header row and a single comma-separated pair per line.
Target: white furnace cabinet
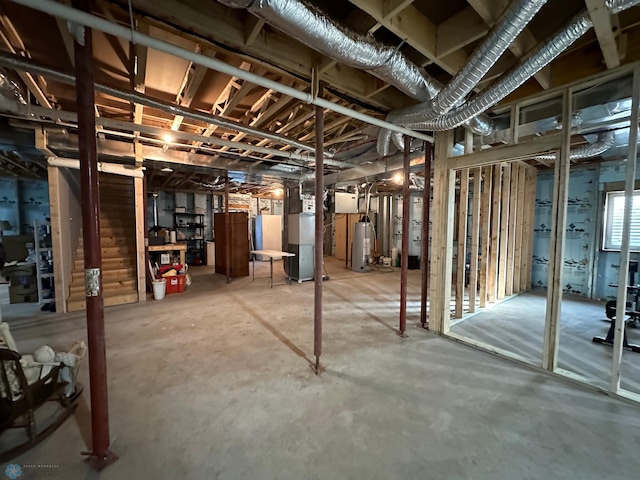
x,y
268,233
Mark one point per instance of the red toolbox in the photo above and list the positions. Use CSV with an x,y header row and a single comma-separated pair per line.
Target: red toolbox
x,y
176,283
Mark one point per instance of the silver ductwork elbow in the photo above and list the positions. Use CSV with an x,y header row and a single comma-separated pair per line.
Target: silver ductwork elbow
x,y
11,88
604,142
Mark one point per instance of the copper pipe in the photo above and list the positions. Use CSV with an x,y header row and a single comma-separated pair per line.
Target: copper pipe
x,y
319,240
404,262
426,205
100,455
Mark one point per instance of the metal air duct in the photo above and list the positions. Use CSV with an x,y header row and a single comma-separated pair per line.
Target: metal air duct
x,y
11,88
604,142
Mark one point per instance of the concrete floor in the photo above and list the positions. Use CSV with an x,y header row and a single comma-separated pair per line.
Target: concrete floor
x,y
517,325
216,383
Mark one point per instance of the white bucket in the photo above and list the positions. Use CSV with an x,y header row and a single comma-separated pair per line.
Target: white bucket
x,y
394,255
159,289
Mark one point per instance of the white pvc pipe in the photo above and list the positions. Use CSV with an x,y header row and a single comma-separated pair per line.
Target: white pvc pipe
x,y
136,172
62,11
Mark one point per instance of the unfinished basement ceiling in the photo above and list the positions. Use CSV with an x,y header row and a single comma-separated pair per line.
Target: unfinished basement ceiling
x,y
436,36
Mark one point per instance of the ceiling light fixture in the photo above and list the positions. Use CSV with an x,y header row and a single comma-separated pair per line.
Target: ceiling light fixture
x,y
167,138
166,169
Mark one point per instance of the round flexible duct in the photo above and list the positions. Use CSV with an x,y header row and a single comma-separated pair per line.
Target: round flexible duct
x,y
617,6
604,142
11,88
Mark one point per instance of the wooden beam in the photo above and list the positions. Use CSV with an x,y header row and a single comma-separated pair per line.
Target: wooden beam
x,y
461,255
141,267
254,26
458,31
475,239
513,220
517,259
193,79
485,235
61,283
508,153
490,11
556,243
601,19
504,231
140,72
415,28
494,245
442,235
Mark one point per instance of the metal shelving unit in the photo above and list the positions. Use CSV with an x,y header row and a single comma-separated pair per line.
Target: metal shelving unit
x,y
44,261
192,226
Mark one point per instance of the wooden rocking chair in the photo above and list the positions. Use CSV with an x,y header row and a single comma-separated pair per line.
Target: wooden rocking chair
x,y
20,400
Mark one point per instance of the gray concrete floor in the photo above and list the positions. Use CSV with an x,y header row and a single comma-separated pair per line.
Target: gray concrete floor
x,y
517,325
216,383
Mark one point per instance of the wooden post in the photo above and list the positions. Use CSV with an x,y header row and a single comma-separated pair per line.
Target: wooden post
x,y
485,238
61,283
463,211
141,228
556,244
527,229
426,207
517,287
404,262
513,220
504,231
623,272
442,235
494,245
475,239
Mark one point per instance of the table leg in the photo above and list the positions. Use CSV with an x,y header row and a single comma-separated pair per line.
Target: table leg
x,y
253,266
182,255
290,267
271,272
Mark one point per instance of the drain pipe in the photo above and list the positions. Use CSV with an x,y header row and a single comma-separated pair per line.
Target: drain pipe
x,y
100,456
76,16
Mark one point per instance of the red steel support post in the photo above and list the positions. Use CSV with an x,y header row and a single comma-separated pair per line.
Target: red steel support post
x,y
404,262
100,455
426,206
319,238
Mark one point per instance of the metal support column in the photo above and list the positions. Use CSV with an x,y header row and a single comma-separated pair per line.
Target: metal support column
x,y
404,262
227,227
100,455
319,237
426,207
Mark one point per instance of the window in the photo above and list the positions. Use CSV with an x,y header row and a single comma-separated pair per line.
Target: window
x,y
614,215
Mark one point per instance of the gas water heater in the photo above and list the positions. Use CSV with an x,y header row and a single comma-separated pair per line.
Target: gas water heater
x,y
361,247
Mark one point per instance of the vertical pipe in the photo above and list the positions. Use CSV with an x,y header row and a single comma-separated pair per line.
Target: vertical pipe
x,y
100,455
404,262
319,240
227,227
426,206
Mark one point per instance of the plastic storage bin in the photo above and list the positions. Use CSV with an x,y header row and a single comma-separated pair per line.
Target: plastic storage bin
x,y
176,284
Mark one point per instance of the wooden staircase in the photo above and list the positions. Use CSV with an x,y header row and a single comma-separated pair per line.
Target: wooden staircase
x,y
118,243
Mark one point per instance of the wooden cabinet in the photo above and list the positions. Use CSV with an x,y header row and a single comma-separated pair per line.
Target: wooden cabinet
x,y
238,233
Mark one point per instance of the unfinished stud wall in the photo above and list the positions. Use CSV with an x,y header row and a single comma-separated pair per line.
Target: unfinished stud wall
x,y
494,218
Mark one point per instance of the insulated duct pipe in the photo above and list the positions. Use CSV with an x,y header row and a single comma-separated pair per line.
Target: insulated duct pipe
x,y
114,168
531,64
617,6
60,10
605,141
311,27
10,88
21,63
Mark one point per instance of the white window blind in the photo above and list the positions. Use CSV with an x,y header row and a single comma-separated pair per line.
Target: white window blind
x,y
614,216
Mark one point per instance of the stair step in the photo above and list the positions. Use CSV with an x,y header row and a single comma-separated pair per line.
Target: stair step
x,y
78,302
107,263
77,286
111,241
108,275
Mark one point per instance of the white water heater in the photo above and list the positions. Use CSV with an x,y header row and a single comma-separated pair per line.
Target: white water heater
x,y
361,247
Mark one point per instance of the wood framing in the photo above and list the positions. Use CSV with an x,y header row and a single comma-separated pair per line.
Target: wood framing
x,y
442,234
517,254
504,231
463,210
475,239
511,247
494,245
56,239
485,232
556,243
140,205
